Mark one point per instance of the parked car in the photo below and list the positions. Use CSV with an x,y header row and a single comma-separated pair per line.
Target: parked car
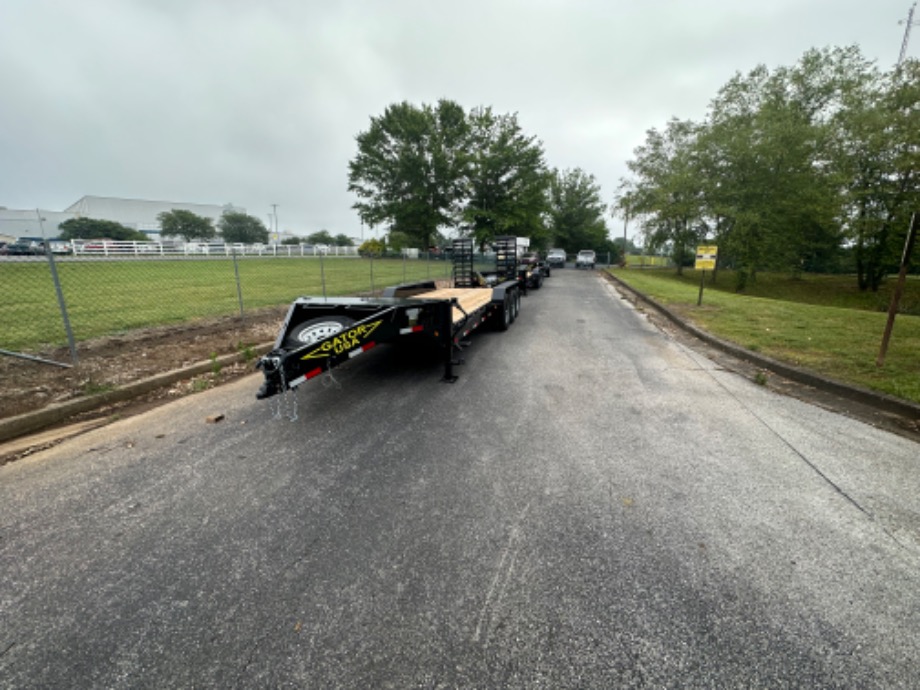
x,y
556,258
59,247
25,247
585,259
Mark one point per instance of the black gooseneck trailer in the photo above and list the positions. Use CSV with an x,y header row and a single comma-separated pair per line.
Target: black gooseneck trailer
x,y
320,334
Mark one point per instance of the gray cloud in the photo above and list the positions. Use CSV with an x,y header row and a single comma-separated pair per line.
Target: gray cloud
x,y
259,103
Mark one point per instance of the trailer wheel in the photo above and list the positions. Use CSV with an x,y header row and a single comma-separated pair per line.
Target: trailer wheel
x,y
515,304
506,316
313,330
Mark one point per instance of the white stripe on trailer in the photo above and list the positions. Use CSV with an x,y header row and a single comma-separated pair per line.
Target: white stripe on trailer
x,y
296,382
361,350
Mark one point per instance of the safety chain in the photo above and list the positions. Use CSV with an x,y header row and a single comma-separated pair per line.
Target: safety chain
x,y
278,407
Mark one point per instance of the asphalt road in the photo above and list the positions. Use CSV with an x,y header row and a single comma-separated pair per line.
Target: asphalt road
x,y
591,505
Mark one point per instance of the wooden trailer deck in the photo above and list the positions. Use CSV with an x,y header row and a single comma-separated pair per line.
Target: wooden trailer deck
x,y
470,299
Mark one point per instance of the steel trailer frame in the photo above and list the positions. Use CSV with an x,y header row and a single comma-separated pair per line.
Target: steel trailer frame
x,y
403,311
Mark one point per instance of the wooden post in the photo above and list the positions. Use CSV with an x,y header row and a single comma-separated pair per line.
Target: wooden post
x,y
899,289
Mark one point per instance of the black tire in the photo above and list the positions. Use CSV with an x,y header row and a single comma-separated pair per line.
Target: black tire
x,y
313,330
516,303
504,317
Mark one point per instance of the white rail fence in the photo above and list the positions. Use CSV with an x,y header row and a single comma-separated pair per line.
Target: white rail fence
x,y
119,248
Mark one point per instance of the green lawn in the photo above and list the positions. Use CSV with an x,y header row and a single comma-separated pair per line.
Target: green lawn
x,y
105,297
822,323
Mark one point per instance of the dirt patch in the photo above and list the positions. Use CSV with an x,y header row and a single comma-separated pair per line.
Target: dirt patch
x,y
112,362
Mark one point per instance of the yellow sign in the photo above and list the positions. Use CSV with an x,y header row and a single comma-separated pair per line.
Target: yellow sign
x,y
706,258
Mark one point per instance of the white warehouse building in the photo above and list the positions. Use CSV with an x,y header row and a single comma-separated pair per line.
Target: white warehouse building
x,y
137,214
140,214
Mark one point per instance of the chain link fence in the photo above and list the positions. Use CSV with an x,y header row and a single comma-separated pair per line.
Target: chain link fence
x,y
60,301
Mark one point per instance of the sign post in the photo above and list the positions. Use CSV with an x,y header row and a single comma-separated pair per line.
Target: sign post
x,y
705,261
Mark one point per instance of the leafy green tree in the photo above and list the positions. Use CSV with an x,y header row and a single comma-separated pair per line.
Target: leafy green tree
x,y
94,228
321,237
241,227
768,144
576,212
667,194
408,173
372,247
342,240
881,158
765,176
397,240
508,180
187,225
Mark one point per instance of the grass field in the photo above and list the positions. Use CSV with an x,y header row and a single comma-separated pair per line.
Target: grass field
x,y
104,297
822,323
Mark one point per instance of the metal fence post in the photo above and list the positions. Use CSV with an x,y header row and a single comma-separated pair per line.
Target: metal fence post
x,y
372,274
61,304
239,289
322,273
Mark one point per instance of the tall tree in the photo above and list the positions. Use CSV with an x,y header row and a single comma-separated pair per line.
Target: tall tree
x,y
879,153
763,176
507,180
576,212
241,227
409,170
667,192
185,224
321,237
768,152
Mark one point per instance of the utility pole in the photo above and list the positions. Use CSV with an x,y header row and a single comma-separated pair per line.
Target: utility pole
x,y
909,23
899,288
275,216
625,223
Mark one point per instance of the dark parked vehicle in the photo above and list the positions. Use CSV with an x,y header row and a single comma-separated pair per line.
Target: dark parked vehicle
x,y
25,247
534,269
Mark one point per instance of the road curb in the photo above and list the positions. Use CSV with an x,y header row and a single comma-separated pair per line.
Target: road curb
x,y
30,422
881,401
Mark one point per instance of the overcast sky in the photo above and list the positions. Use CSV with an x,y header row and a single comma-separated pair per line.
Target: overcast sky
x,y
258,102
